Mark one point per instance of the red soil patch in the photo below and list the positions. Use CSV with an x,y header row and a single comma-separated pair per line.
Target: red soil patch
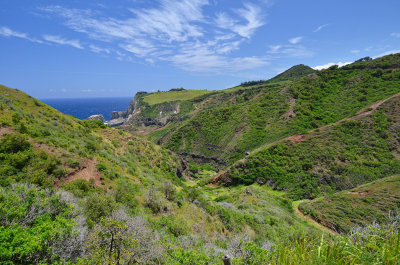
x,y
359,193
298,138
87,171
6,130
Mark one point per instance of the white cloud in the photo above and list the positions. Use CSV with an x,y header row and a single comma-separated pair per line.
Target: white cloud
x,y
355,51
387,53
62,41
174,30
320,27
7,32
97,49
63,90
172,21
274,48
200,57
250,13
325,66
292,51
397,35
295,40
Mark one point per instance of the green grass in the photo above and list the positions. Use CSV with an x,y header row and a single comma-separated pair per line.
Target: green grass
x,y
190,222
337,158
161,97
361,206
43,147
230,124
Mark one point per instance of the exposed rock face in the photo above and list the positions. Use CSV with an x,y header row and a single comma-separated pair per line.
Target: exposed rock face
x,y
116,122
97,117
121,117
118,114
139,113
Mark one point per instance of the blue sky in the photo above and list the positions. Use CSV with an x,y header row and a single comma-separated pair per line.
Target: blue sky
x,y
113,48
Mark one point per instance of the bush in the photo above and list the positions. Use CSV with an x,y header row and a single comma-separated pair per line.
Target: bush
x,y
97,206
14,143
36,227
101,167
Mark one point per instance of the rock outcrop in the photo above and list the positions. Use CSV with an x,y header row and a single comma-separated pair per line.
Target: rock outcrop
x,y
140,113
98,117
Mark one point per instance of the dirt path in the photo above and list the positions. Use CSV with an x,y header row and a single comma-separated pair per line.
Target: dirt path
x,y
5,130
311,221
87,171
298,138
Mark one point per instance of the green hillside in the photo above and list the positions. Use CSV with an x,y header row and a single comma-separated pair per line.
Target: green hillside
x,y
293,73
373,202
337,157
247,119
81,192
84,178
161,97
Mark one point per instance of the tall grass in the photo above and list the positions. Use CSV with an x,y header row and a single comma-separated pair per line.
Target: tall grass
x,y
373,244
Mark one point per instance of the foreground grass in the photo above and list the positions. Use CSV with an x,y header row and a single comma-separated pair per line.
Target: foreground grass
x,y
370,245
360,206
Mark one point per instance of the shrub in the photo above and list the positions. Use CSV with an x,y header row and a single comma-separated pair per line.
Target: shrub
x,y
101,167
97,206
13,143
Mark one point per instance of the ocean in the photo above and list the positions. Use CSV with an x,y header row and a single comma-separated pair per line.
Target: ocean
x,y
82,108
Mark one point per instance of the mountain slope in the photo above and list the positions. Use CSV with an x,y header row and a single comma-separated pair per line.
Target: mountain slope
x,y
293,73
355,151
266,113
372,202
100,178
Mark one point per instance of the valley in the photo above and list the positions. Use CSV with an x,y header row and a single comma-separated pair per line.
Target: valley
x,y
299,169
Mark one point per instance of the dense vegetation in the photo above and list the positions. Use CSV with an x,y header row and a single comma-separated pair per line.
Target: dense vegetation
x,y
372,202
85,183
80,192
338,157
248,119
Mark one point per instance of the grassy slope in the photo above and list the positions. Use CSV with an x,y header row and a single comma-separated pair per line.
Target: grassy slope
x,y
356,207
293,73
161,97
73,142
336,158
268,112
129,167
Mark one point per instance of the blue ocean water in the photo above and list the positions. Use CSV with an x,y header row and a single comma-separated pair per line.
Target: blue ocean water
x,y
82,108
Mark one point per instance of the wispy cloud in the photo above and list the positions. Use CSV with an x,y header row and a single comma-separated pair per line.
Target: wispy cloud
x,y
7,32
172,21
295,40
355,51
201,57
320,28
97,49
62,41
325,66
250,13
290,50
394,34
387,53
174,30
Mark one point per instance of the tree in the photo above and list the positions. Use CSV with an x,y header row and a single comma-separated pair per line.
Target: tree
x,y
169,190
111,242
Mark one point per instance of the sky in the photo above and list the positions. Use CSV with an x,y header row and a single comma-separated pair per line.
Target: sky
x,y
115,48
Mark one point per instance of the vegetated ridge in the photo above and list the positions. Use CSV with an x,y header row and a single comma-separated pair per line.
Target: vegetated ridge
x,y
81,192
